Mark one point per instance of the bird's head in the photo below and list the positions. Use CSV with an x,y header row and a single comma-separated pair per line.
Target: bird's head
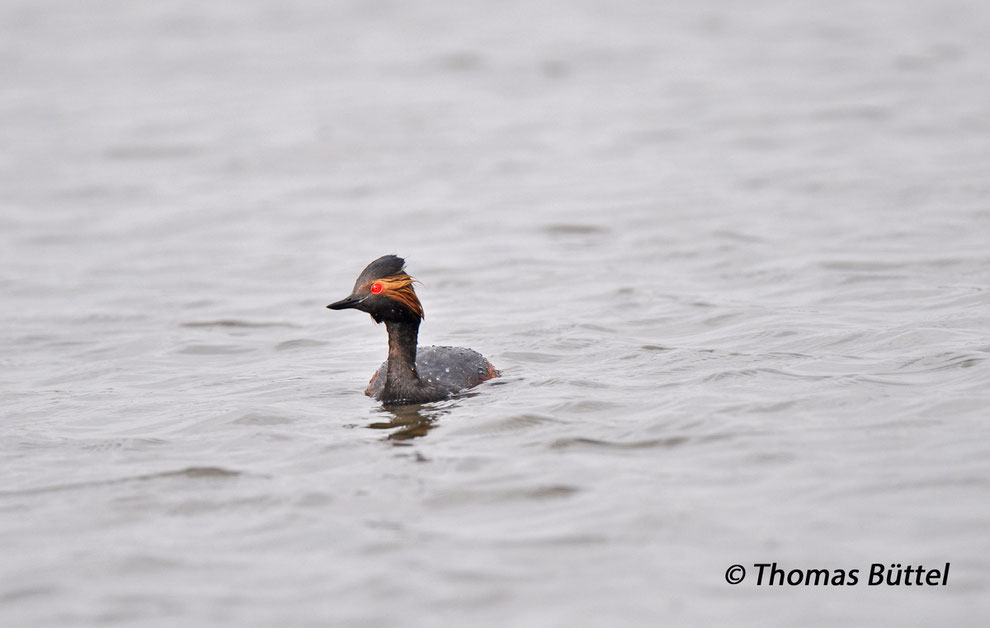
x,y
384,290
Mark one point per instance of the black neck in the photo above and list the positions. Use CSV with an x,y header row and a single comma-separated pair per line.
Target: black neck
x,y
402,338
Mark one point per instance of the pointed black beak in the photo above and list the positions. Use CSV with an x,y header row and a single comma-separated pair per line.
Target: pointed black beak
x,y
343,304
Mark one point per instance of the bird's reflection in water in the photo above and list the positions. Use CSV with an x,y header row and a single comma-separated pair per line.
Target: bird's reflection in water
x,y
409,422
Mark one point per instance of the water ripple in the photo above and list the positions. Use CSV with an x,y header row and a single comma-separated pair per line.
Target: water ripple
x,y
192,473
595,443
229,322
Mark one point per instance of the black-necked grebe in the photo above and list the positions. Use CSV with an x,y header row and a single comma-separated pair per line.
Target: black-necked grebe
x,y
385,291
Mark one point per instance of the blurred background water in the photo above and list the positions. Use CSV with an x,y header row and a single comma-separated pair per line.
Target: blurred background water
x,y
731,258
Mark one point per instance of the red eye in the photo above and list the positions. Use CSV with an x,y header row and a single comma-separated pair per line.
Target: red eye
x,y
376,288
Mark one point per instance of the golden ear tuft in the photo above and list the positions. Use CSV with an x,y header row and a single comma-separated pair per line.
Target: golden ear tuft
x,y
400,288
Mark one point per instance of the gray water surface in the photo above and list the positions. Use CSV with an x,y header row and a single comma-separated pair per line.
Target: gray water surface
x,y
731,259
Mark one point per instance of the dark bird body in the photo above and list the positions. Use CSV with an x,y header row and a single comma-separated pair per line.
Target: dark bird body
x,y
410,374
